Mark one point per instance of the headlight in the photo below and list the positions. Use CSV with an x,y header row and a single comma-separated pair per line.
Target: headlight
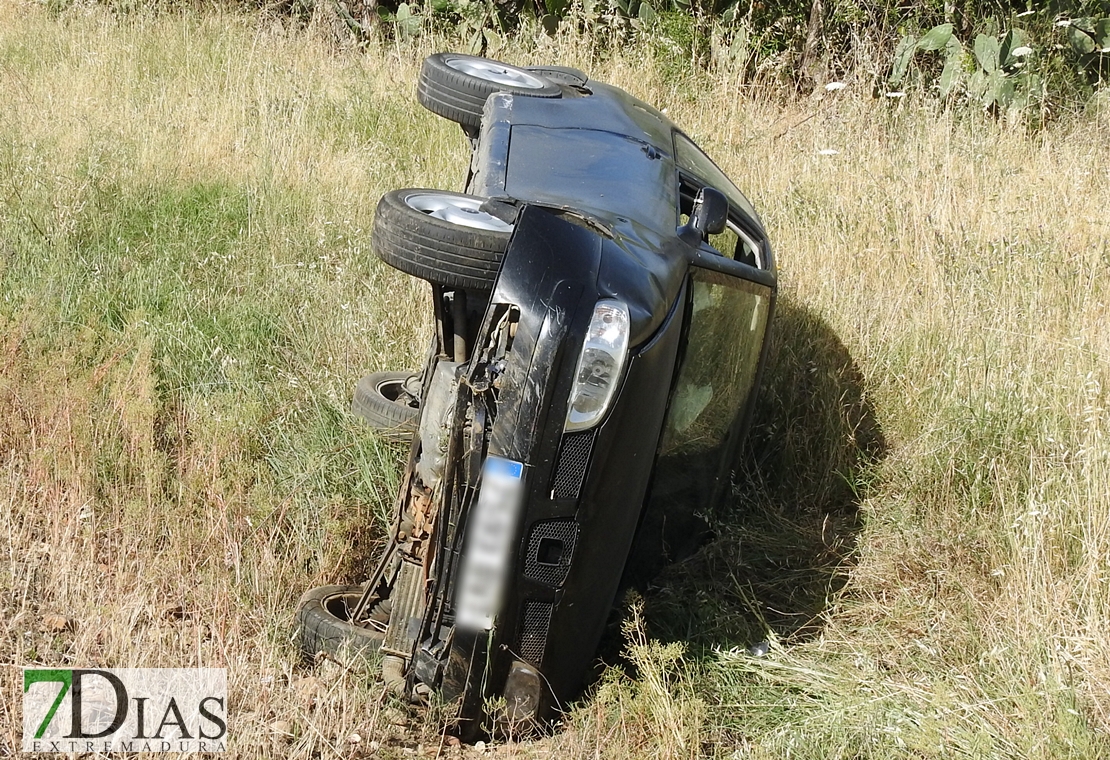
x,y
599,365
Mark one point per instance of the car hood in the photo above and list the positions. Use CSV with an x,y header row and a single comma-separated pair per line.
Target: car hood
x,y
607,156
606,159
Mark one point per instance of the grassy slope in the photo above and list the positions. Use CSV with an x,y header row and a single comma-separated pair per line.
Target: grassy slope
x,y
187,295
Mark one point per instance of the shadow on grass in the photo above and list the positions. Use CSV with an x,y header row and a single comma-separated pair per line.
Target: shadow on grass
x,y
782,547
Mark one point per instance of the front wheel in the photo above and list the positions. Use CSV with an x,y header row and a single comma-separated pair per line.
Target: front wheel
x,y
561,74
324,623
443,237
389,402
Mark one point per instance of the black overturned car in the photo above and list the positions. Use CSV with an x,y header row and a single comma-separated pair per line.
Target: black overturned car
x,y
602,295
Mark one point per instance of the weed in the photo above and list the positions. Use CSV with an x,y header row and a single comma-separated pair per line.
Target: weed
x,y
920,534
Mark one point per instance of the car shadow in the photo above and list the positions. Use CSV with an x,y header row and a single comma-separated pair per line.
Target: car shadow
x,y
782,547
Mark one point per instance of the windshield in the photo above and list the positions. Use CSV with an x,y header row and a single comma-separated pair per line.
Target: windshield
x,y
728,322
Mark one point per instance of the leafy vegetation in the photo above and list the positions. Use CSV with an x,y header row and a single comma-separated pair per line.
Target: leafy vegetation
x,y
916,564
1000,55
1010,72
1062,48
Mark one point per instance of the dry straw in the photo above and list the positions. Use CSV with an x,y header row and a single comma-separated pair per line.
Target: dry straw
x,y
187,296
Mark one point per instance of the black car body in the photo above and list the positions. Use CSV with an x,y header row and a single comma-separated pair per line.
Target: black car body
x,y
577,415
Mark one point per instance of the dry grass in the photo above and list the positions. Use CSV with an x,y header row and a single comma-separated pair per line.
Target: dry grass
x,y
187,296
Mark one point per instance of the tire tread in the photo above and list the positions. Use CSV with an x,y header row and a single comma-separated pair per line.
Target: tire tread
x,y
461,97
320,631
434,250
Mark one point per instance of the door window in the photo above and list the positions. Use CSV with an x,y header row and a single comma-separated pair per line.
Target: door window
x,y
690,159
734,242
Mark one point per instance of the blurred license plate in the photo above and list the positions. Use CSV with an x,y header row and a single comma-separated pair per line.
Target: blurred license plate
x,y
489,540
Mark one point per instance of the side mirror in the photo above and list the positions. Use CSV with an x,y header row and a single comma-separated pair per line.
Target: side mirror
x,y
708,217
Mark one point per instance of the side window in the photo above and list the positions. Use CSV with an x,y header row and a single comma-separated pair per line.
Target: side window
x,y
690,159
736,244
733,242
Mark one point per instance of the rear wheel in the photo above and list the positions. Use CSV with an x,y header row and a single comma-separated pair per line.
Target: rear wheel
x,y
561,74
443,237
324,623
456,86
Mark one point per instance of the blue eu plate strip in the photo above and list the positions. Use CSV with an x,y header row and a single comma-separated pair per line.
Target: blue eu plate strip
x,y
506,468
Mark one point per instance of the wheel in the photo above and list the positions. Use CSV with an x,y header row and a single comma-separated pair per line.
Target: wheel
x,y
324,623
560,74
456,86
439,236
389,402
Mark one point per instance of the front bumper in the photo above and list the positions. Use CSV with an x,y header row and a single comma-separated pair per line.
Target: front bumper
x,y
584,490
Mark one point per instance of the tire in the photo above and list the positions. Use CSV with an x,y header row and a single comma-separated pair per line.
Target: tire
x,y
389,402
442,237
455,86
561,74
323,624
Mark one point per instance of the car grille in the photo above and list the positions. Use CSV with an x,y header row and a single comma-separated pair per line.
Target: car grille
x,y
574,457
534,623
550,548
551,545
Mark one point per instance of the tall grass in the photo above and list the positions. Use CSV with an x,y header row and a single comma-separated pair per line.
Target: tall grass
x,y
922,529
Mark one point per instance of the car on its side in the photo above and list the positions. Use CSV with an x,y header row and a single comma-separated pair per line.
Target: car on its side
x,y
602,296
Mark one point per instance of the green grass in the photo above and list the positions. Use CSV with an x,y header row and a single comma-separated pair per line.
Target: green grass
x,y
187,295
